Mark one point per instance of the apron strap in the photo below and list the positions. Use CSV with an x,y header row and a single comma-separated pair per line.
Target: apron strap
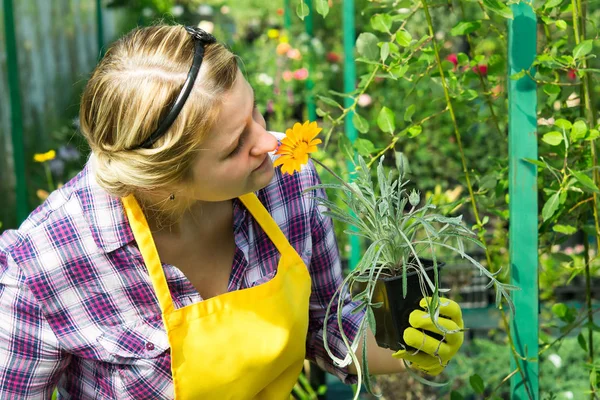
x,y
143,237
267,223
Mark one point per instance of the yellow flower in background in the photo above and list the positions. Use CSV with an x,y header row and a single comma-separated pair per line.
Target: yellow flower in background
x,y
273,33
298,143
43,157
283,38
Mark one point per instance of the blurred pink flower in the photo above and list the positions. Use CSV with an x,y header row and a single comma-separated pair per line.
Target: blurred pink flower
x,y
453,58
364,100
333,57
480,70
301,74
294,54
287,75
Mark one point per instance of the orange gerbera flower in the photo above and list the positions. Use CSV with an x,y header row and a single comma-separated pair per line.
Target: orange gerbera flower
x,y
298,143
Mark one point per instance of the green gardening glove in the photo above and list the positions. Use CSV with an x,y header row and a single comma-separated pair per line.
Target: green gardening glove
x,y
433,355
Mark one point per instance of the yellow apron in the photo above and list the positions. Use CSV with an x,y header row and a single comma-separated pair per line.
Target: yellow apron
x,y
245,344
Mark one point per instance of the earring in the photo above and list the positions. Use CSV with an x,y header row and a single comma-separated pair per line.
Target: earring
x,y
172,196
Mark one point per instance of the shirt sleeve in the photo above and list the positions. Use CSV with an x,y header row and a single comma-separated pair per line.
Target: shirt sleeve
x,y
31,359
326,273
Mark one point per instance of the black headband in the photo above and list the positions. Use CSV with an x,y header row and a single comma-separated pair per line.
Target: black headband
x,y
201,38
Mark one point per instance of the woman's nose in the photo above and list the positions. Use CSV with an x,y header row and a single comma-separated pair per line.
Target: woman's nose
x,y
265,144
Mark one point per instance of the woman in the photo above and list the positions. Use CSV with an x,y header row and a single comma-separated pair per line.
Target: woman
x,y
178,263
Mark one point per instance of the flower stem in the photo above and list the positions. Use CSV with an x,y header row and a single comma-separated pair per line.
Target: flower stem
x,y
336,176
586,89
457,134
49,177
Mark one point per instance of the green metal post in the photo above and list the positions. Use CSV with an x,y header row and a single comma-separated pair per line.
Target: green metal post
x,y
310,84
100,31
349,86
523,234
287,15
16,115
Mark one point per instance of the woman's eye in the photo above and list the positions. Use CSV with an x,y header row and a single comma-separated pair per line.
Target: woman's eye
x,y
238,147
241,141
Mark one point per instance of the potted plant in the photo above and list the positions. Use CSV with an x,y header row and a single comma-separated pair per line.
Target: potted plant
x,y
405,234
401,264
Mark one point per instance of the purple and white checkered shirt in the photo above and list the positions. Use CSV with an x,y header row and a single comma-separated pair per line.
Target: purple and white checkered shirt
x,y
77,307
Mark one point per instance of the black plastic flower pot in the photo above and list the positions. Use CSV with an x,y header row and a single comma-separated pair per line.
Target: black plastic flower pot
x,y
392,318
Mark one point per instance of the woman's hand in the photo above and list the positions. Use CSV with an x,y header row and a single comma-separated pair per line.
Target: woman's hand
x,y
433,355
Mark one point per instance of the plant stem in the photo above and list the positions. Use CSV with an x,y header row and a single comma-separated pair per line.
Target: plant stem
x,y
591,117
456,130
506,378
49,179
517,356
470,187
588,301
481,80
339,119
397,137
586,89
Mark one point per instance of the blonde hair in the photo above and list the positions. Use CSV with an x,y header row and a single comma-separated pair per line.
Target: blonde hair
x,y
129,93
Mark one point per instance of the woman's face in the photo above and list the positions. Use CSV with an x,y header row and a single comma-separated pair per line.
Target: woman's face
x,y
234,158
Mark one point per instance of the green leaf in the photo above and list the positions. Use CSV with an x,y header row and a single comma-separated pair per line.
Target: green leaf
x,y
366,45
566,229
365,147
454,395
403,37
582,342
560,310
465,27
535,162
402,163
385,51
399,70
551,90
386,120
329,101
415,130
322,7
582,49
499,8
360,123
593,377
345,147
586,181
551,206
579,130
593,134
563,124
477,384
371,320
552,3
518,75
409,113
553,138
561,24
302,10
381,22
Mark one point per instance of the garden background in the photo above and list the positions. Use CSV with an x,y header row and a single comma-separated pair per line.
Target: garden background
x,y
431,92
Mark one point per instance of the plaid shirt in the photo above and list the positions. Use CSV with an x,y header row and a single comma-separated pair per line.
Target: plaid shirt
x,y
78,310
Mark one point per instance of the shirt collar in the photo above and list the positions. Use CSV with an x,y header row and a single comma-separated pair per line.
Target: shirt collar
x,y
106,216
104,213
